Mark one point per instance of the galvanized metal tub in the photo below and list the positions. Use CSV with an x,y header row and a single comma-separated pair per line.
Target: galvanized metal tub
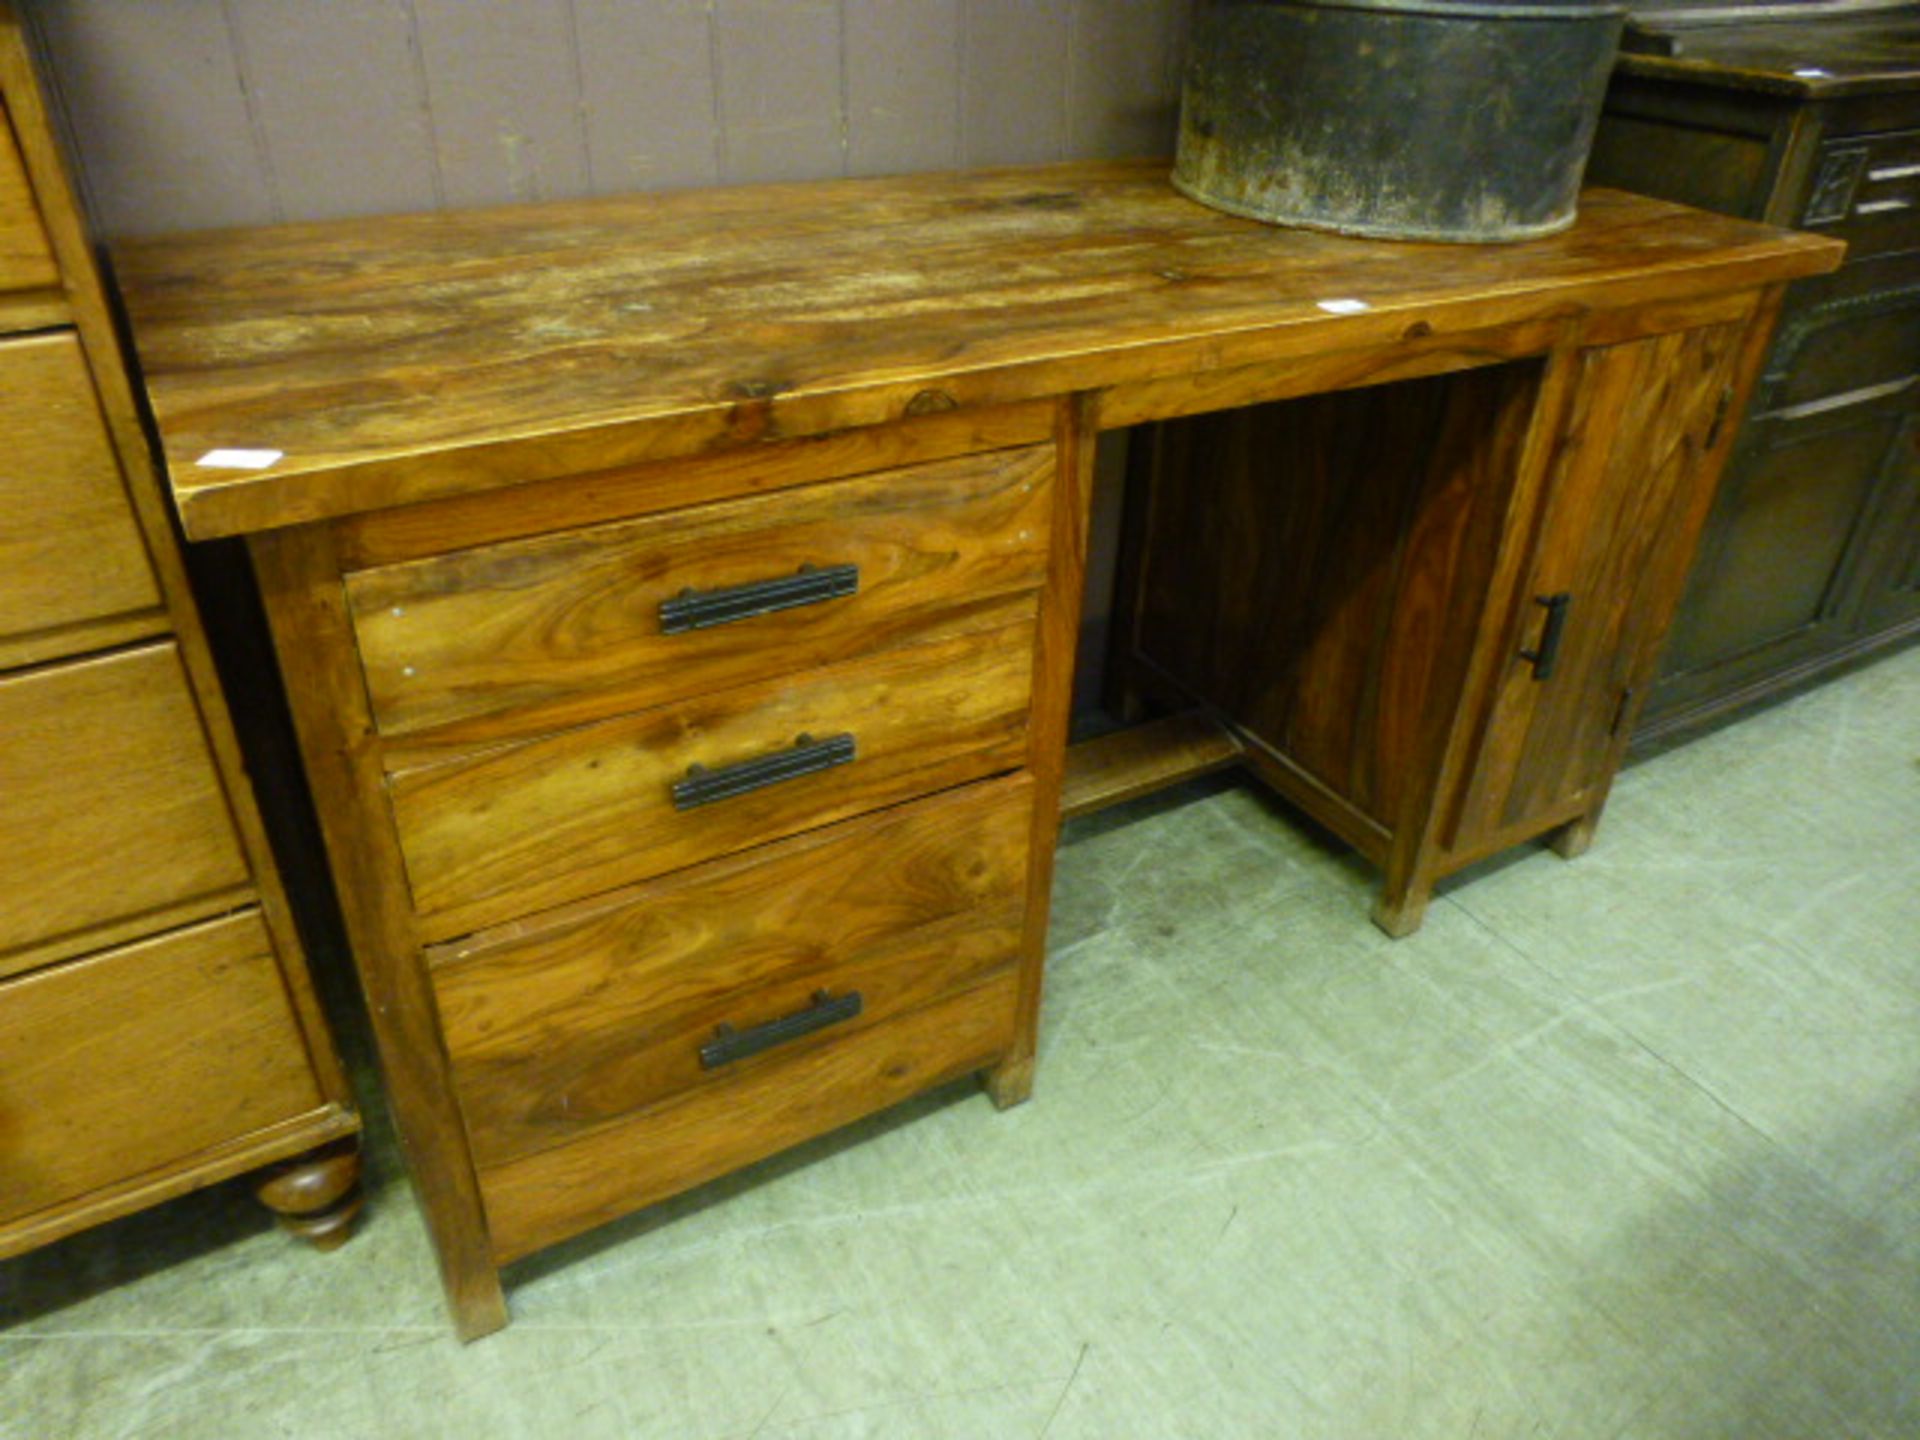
x,y
1412,119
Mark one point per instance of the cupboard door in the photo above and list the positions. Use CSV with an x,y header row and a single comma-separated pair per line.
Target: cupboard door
x,y
1892,569
1772,587
1615,536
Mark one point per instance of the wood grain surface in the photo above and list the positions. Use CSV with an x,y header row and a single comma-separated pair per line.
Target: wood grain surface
x,y
139,1057
400,359
1141,759
73,568
1311,567
522,827
1056,641
112,807
626,1164
306,606
130,762
512,625
490,421
26,260
1615,538
560,1027
434,527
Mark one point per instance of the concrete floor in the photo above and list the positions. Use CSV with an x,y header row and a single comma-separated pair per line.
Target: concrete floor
x,y
1623,1147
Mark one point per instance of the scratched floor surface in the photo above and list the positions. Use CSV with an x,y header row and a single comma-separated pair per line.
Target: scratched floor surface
x,y
1626,1147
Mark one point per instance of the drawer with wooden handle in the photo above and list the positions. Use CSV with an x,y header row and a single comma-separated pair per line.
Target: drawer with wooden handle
x,y
112,818
632,1162
73,569
120,1063
558,628
559,1026
26,259
519,828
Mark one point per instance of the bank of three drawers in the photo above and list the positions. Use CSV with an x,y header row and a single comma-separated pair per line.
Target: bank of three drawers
x,y
714,820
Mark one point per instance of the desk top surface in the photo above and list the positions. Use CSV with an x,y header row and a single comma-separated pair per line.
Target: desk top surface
x,y
399,359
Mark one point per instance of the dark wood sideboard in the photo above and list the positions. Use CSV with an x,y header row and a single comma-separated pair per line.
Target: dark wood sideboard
x,y
1811,559
677,597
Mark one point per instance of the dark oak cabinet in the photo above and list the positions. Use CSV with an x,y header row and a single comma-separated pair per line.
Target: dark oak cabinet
x,y
1810,555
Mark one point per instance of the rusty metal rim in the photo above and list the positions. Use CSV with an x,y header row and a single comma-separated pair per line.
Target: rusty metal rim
x,y
1376,232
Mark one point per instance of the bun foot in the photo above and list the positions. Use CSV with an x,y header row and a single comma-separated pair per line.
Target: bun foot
x,y
316,1196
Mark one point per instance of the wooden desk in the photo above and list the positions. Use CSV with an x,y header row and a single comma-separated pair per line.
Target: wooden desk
x,y
589,513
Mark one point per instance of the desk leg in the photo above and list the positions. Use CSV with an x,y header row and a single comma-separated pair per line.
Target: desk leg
x,y
1402,906
306,607
1076,427
1572,841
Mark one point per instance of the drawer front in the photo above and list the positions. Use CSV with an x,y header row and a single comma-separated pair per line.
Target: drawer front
x,y
523,827
1866,191
697,600
560,1029
140,1057
26,260
538,1199
1861,350
112,806
70,552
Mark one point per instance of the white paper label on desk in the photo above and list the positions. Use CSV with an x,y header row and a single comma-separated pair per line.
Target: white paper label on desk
x,y
238,459
1344,307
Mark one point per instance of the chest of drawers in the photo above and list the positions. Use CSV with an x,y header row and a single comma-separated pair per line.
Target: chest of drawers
x,y
677,597
158,1031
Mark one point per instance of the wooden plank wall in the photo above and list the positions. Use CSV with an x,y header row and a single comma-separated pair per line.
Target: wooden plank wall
x,y
194,113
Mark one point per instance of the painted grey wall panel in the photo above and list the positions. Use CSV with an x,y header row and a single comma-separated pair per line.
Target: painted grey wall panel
x,y
1123,95
190,113
1014,106
647,93
782,114
337,98
903,85
155,98
503,92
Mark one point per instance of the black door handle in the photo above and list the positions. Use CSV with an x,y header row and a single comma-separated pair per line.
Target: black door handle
x,y
1556,624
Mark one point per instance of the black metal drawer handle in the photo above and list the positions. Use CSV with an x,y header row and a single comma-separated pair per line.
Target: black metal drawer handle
x,y
807,757
699,609
729,1044
1550,633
